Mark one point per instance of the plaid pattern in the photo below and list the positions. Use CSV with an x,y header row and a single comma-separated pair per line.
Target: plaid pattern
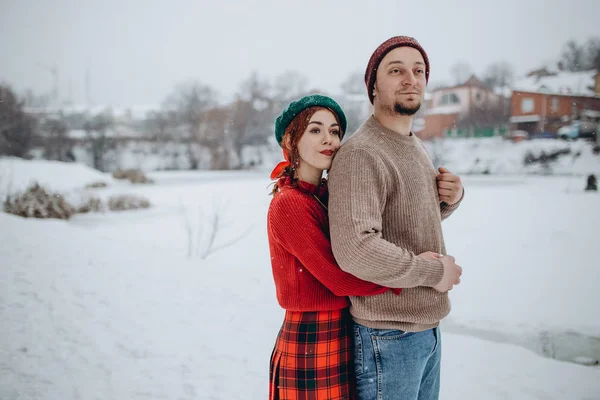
x,y
313,357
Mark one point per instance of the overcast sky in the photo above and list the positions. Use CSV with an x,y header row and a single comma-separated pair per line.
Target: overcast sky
x,y
137,50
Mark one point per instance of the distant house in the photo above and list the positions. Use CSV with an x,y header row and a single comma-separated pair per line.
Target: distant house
x,y
544,103
446,109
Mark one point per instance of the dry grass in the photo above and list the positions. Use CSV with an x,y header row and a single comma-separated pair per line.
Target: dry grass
x,y
37,202
91,204
132,175
127,202
96,185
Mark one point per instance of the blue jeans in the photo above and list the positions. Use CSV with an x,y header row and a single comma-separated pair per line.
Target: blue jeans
x,y
396,365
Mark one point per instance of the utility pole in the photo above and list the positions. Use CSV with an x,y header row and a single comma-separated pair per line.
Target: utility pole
x,y
54,72
88,99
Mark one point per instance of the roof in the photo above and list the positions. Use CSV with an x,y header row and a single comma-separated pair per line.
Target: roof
x,y
473,81
135,111
564,82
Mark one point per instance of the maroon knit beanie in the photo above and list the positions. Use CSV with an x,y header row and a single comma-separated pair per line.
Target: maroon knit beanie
x,y
382,50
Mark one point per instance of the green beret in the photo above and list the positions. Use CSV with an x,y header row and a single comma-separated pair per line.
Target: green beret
x,y
295,107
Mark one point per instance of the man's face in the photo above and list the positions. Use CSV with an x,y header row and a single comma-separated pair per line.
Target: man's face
x,y
400,82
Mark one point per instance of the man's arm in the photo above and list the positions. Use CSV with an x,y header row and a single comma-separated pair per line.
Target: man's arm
x,y
449,201
450,190
357,196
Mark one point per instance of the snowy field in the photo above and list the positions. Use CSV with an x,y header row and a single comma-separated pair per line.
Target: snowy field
x,y
129,305
498,156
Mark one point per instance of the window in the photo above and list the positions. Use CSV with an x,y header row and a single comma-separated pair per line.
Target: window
x,y
449,98
527,105
478,97
554,105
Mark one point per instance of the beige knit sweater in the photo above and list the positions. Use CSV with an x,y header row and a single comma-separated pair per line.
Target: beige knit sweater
x,y
384,209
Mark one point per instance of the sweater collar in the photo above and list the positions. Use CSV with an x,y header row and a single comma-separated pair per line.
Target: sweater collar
x,y
309,188
374,125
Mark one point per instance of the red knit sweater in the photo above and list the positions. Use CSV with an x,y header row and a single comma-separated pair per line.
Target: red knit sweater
x,y
307,277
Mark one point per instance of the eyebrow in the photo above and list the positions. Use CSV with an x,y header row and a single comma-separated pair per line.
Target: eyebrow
x,y
320,123
402,63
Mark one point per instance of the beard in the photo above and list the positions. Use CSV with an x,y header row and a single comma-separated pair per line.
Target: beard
x,y
404,110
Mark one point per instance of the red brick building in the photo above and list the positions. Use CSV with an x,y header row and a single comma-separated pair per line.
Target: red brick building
x,y
445,107
544,104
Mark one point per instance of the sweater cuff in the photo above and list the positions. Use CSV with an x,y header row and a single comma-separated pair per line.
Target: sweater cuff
x,y
434,272
448,209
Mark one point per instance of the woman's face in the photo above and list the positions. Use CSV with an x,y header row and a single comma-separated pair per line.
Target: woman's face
x,y
318,144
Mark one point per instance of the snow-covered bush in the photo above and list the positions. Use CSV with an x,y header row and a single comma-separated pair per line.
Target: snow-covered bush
x,y
127,202
96,185
132,175
91,204
37,202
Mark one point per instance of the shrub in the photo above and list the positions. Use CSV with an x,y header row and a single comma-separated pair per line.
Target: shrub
x,y
37,202
95,185
91,204
127,202
132,175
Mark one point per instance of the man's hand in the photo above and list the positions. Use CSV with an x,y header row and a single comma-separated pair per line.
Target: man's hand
x,y
449,186
431,255
452,273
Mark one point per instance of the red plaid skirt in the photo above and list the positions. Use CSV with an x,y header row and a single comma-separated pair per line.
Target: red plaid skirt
x,y
313,357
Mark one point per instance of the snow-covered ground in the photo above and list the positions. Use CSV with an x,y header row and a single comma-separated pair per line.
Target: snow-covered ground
x,y
497,156
17,174
110,306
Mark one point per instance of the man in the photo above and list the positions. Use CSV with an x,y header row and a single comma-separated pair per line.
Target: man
x,y
386,205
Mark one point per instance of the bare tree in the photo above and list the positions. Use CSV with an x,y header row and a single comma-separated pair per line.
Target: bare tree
x,y
34,100
354,83
499,74
289,86
573,57
212,134
241,125
253,111
256,88
17,128
488,114
158,125
188,103
354,101
97,135
57,145
460,72
592,49
581,57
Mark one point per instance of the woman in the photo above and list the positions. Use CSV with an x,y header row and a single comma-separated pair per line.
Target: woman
x,y
313,354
